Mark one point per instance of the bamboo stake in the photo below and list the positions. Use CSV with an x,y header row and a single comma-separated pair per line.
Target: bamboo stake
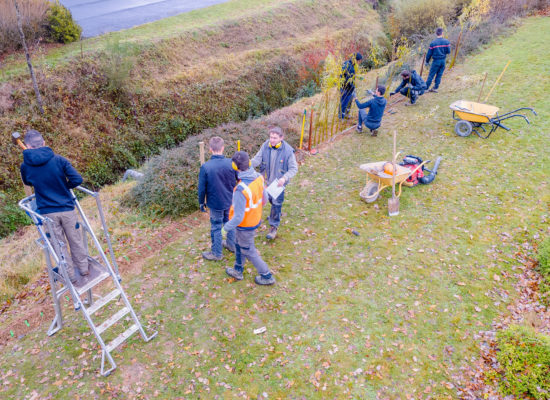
x,y
303,126
310,127
376,83
456,50
201,152
393,203
482,86
496,82
422,66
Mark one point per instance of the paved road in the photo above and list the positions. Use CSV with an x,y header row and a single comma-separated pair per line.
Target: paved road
x,y
102,16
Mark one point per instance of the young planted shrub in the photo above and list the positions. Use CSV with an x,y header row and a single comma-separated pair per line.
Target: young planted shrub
x,y
63,27
544,269
524,358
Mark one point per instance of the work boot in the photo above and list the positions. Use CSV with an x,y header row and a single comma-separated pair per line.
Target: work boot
x,y
374,132
432,90
260,280
272,233
233,273
359,128
228,247
208,255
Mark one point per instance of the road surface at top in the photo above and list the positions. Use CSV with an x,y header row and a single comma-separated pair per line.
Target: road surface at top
x,y
101,16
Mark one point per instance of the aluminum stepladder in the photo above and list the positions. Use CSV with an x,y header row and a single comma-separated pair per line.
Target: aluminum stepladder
x,y
98,273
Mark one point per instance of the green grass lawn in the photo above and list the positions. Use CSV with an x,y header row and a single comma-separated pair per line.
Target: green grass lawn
x,y
143,34
391,313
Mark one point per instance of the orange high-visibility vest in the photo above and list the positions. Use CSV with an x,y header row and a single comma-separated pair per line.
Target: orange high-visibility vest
x,y
254,195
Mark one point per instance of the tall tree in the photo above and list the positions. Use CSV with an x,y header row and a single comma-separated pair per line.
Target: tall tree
x,y
28,56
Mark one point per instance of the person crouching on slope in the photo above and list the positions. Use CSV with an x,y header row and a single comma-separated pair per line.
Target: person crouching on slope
x,y
412,86
245,217
376,107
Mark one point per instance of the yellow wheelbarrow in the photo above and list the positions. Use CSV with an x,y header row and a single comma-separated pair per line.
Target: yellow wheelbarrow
x,y
378,180
471,115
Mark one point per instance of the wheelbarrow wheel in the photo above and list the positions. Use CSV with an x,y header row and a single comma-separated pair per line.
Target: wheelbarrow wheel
x,y
369,192
463,128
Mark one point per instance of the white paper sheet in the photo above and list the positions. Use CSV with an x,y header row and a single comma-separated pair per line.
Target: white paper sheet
x,y
274,190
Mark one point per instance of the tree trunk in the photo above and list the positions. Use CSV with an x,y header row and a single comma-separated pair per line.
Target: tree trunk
x,y
28,57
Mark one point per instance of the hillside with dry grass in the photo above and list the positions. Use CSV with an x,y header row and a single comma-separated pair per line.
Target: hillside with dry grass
x,y
109,109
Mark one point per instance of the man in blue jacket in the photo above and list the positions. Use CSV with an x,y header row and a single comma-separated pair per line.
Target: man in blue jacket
x,y
216,182
52,177
376,107
438,51
412,86
347,83
277,162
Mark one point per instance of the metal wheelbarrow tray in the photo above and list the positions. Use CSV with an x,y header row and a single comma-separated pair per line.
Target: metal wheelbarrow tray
x,y
378,181
471,115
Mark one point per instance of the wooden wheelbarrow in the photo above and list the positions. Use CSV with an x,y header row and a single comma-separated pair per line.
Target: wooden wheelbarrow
x,y
378,180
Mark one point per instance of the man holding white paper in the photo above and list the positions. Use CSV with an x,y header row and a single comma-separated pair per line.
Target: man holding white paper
x,y
277,162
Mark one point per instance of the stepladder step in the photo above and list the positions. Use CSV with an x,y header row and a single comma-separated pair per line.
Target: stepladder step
x,y
103,301
121,338
97,273
109,322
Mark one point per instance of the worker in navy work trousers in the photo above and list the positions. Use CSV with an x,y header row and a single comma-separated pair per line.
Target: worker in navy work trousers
x,y
217,179
438,51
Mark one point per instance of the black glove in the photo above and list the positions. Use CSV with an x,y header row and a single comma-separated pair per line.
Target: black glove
x,y
392,93
203,208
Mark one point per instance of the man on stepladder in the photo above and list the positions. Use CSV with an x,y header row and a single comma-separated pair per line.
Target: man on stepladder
x,y
245,215
276,161
217,179
438,51
52,177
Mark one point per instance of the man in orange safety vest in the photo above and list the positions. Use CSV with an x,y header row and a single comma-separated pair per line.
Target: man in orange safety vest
x,y
245,217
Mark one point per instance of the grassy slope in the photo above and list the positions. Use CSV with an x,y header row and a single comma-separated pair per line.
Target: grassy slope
x,y
392,311
154,31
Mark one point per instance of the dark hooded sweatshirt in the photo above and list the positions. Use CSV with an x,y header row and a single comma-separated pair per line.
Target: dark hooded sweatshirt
x,y
376,107
52,177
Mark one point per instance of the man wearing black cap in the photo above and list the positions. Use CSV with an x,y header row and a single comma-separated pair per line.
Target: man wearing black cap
x,y
245,216
347,83
52,177
412,86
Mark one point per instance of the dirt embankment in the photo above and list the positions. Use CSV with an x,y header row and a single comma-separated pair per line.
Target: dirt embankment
x,y
109,111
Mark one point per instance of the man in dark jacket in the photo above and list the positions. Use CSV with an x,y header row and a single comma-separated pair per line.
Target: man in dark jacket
x,y
438,51
376,107
277,162
217,179
347,83
52,177
412,86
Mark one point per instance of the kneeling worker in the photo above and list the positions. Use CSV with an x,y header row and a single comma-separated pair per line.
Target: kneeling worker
x,y
245,216
412,86
376,107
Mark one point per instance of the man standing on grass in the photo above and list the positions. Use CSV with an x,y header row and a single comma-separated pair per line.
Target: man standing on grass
x,y
347,83
245,215
216,182
277,161
438,51
412,86
376,107
53,177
